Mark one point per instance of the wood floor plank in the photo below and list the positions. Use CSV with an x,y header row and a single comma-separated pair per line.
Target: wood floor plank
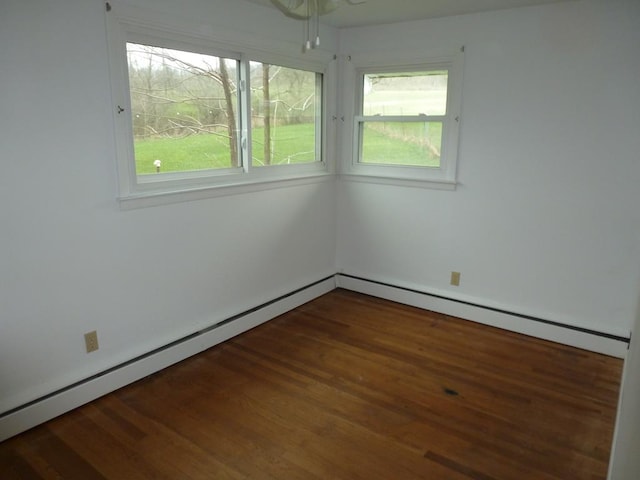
x,y
347,387
374,377
351,364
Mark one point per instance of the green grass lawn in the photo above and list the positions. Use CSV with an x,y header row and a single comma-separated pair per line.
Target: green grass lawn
x,y
389,143
195,152
402,143
292,144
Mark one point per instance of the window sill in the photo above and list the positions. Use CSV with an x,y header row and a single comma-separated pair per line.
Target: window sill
x,y
166,197
402,182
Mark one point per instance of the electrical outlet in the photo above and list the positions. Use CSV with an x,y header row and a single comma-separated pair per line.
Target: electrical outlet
x,y
455,279
91,341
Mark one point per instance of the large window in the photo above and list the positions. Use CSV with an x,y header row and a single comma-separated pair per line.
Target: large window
x,y
192,114
406,121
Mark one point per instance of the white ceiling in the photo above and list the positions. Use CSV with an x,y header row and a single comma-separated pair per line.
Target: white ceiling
x,y
375,12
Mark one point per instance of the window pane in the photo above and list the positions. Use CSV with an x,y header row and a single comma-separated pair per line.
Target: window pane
x,y
411,93
285,115
401,143
184,108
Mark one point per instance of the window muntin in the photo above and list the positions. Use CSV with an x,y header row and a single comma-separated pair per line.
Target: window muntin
x,y
285,115
184,111
403,118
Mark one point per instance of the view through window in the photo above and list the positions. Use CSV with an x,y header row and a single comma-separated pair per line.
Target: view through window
x,y
285,115
185,112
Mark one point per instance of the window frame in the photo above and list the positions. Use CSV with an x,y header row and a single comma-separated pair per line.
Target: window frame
x,y
137,191
442,177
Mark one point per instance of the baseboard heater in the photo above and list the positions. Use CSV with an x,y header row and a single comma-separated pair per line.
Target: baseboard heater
x,y
46,407
573,335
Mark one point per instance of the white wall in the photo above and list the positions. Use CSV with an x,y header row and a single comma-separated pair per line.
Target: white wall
x,y
545,219
71,261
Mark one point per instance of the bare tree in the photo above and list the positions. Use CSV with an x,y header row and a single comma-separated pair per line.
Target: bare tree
x,y
266,98
180,86
231,117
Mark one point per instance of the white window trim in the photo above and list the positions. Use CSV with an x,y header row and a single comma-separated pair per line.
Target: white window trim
x,y
126,25
443,177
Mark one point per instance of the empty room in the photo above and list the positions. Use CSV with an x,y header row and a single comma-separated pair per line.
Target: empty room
x,y
282,239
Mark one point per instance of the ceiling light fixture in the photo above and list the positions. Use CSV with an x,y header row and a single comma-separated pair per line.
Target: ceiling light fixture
x,y
310,10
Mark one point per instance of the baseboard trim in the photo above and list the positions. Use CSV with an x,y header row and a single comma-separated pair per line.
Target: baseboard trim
x,y
587,339
65,399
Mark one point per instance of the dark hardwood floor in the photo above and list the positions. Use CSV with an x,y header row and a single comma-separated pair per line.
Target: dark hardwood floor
x,y
345,387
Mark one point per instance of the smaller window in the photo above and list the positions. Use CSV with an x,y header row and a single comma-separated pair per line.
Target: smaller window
x,y
406,122
402,118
